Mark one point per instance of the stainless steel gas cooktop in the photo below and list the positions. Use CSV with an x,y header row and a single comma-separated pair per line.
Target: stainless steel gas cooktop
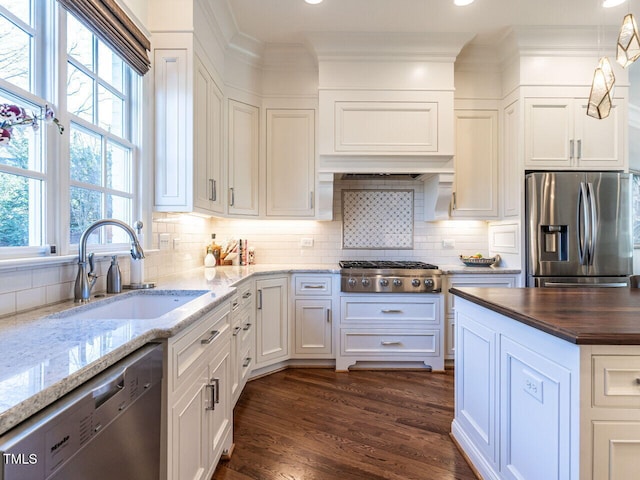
x,y
365,276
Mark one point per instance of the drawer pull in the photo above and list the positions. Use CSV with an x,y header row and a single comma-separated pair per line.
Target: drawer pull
x,y
246,295
236,331
387,343
246,327
391,310
207,341
306,287
247,362
234,305
637,381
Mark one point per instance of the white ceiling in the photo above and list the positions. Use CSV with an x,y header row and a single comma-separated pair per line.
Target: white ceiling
x,y
290,21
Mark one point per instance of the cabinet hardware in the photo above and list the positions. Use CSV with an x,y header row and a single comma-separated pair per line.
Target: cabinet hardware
x,y
212,395
246,295
247,362
455,202
311,200
579,149
236,331
216,383
207,341
247,327
313,286
328,315
259,299
570,148
391,310
387,343
637,381
234,305
233,197
214,192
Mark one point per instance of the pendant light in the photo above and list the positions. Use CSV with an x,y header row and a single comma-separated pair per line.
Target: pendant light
x,y
628,49
601,90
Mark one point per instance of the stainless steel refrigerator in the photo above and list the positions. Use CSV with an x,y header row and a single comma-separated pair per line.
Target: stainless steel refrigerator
x,y
578,229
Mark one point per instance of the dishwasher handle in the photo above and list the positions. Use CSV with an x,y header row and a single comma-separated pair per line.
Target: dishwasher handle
x,y
109,388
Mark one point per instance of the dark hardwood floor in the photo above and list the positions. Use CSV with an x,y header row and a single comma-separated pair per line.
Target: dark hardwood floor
x,y
316,424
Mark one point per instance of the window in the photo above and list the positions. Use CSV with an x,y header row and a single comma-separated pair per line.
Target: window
x,y
52,187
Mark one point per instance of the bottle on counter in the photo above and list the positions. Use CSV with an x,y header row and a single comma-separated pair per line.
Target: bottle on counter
x,y
215,249
209,259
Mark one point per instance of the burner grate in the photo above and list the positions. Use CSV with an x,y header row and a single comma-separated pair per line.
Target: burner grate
x,y
386,264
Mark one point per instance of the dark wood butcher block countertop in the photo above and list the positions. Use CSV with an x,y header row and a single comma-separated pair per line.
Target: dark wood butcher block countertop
x,y
585,316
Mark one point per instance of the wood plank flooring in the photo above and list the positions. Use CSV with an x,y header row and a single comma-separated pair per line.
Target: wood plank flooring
x,y
316,424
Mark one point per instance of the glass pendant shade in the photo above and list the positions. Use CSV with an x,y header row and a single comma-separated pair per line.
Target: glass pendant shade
x,y
628,42
601,90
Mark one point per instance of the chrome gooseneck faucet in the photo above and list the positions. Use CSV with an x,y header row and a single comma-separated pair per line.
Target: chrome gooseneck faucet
x,y
85,281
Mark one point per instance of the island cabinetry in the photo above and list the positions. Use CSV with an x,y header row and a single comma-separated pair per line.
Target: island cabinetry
x,y
517,398
199,422
390,328
242,337
468,280
560,135
611,421
272,320
313,316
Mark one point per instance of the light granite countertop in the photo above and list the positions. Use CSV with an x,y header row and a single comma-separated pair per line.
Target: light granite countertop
x,y
46,353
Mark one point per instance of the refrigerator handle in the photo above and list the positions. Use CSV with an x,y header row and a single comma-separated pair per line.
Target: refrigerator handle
x,y
583,220
593,224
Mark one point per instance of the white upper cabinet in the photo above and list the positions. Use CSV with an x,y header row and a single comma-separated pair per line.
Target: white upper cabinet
x,y
476,164
244,137
290,162
559,134
188,128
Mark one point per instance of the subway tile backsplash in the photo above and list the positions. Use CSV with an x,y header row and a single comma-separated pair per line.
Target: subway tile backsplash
x,y
275,242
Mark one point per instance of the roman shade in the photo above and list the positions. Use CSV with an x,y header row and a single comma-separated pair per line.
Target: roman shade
x,y
112,25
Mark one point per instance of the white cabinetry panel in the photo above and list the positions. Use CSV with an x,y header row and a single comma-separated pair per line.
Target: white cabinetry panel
x,y
244,138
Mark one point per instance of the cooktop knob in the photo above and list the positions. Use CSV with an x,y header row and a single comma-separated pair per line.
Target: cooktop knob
x,y
415,282
397,282
352,282
428,282
384,282
365,282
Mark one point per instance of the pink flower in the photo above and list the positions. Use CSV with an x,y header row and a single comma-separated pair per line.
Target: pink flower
x,y
12,113
5,136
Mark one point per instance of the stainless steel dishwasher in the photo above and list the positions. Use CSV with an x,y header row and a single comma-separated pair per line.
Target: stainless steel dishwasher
x,y
106,429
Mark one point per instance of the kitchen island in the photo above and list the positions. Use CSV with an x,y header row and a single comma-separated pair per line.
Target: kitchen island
x,y
548,382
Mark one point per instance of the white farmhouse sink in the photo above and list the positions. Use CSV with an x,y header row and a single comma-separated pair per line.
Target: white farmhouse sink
x,y
136,305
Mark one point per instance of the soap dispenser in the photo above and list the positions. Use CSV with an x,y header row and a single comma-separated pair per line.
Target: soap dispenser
x,y
114,281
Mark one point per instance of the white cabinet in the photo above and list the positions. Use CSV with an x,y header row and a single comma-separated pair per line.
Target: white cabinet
x,y
199,421
272,321
313,316
560,135
290,162
242,337
243,161
475,192
511,179
517,402
390,328
468,280
188,128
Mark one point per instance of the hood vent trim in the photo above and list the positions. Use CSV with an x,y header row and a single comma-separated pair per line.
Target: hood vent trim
x,y
381,176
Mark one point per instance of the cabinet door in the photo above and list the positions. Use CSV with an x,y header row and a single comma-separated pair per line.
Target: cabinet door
x,y
313,327
243,158
219,413
475,379
207,148
290,163
535,415
476,164
173,126
600,143
511,170
190,430
271,321
548,127
616,446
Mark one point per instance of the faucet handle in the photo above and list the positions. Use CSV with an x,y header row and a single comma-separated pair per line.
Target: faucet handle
x,y
91,264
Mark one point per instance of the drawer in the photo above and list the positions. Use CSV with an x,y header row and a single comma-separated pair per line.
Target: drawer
x,y
246,363
307,285
246,294
207,335
616,380
389,342
365,311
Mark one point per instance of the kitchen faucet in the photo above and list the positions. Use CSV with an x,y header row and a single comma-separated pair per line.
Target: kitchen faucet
x,y
85,281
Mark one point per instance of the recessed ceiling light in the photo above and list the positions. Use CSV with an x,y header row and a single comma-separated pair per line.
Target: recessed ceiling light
x,y
313,2
462,3
612,3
